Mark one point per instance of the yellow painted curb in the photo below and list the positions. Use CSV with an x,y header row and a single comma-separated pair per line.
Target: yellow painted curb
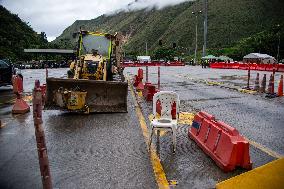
x,y
264,149
269,176
28,98
159,172
247,91
186,118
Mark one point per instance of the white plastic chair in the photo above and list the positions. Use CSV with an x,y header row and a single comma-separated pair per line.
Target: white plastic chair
x,y
166,98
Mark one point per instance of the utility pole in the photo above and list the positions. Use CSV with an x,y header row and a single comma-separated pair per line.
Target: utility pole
x,y
205,27
146,49
278,48
196,34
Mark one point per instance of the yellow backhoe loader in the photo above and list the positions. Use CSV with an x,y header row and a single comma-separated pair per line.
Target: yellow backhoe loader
x,y
95,80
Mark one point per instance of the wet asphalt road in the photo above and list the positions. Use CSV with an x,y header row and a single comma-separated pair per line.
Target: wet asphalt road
x,y
85,151
108,150
260,119
256,117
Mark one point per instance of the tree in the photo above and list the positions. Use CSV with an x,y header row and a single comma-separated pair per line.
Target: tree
x,y
43,37
164,53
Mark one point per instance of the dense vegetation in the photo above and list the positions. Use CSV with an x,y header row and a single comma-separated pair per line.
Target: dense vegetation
x,y
268,41
16,35
231,26
235,28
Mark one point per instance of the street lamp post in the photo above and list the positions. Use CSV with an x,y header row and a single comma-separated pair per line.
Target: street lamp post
x,y
278,48
205,27
196,34
146,48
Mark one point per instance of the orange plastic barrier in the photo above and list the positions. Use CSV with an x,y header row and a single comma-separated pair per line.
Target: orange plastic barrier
x,y
221,142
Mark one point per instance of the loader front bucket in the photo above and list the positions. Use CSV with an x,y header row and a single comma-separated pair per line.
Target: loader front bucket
x,y
102,96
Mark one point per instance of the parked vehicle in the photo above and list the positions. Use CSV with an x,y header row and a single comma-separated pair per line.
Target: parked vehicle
x,y
6,72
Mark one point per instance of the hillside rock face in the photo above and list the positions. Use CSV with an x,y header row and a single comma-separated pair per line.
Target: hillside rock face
x,y
228,22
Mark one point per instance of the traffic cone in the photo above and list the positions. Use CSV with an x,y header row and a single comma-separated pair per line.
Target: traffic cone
x,y
263,84
272,85
248,87
256,85
280,87
269,85
271,93
20,106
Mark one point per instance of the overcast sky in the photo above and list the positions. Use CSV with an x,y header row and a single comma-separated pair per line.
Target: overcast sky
x,y
53,16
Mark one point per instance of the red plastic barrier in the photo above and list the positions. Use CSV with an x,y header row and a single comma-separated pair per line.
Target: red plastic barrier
x,y
261,67
221,142
175,63
223,65
149,91
213,65
270,67
253,66
234,65
280,68
135,81
243,66
140,73
216,65
17,84
138,83
140,86
153,63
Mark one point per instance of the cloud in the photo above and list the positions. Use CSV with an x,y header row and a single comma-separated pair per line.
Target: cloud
x,y
53,16
141,4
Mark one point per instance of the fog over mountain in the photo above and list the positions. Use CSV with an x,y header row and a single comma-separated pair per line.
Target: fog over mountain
x,y
53,16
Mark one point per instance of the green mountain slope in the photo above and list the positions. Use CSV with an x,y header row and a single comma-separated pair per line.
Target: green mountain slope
x,y
15,35
228,22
